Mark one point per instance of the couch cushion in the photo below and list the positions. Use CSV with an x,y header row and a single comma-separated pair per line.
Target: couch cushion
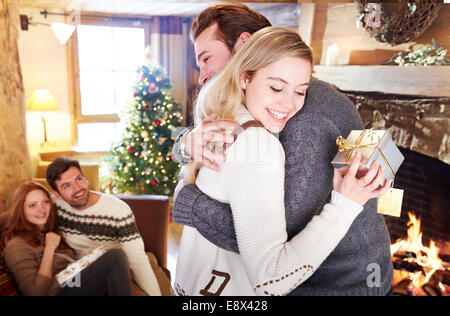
x,y
152,219
162,275
7,287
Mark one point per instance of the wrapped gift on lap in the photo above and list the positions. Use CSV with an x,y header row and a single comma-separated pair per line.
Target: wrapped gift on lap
x,y
66,276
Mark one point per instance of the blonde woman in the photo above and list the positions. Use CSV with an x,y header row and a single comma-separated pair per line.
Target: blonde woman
x,y
263,86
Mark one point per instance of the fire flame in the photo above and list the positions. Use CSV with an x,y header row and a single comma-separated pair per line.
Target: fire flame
x,y
426,257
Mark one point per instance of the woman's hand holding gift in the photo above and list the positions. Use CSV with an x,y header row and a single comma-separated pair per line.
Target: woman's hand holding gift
x,y
360,188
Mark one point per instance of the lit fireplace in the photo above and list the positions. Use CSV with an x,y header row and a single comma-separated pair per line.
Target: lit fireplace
x,y
418,269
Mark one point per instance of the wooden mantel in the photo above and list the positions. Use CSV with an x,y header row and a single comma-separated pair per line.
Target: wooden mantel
x,y
431,81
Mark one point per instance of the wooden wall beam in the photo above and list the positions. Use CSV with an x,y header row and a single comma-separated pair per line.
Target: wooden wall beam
x,y
15,163
432,81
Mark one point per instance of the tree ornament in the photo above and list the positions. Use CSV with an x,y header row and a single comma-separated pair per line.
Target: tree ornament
x,y
153,88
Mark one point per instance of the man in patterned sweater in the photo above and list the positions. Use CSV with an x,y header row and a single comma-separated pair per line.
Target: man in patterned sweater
x,y
89,219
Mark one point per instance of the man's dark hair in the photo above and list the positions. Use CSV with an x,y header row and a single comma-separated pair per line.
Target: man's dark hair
x,y
58,167
232,20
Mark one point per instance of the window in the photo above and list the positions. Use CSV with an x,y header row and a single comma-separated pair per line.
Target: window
x,y
106,58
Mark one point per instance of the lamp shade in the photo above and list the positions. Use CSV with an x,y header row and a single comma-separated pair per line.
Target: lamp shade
x,y
42,100
62,31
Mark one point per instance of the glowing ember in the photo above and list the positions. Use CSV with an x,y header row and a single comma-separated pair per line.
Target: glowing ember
x,y
426,257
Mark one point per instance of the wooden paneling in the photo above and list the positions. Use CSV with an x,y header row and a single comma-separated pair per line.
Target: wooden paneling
x,y
341,29
306,22
318,30
336,23
138,7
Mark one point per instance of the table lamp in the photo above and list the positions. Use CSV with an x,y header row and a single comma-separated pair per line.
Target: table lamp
x,y
42,100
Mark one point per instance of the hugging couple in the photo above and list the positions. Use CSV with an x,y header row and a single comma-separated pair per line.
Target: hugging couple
x,y
266,215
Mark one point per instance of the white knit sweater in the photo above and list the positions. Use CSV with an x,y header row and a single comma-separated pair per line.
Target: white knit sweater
x,y
109,222
252,182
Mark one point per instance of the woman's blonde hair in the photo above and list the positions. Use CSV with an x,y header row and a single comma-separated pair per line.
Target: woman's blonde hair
x,y
222,96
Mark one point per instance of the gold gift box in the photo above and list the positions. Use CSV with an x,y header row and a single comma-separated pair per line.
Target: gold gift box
x,y
373,145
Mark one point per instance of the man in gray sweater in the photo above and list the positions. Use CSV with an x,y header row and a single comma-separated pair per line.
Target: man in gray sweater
x,y
360,264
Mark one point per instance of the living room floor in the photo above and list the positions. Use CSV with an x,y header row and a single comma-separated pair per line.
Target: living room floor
x,y
173,245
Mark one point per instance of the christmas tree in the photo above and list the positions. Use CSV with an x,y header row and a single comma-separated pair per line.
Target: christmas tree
x,y
141,162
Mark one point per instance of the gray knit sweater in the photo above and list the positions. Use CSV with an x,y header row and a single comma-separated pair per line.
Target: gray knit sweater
x,y
361,263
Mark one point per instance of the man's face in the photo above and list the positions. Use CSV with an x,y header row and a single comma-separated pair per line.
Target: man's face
x,y
73,188
211,53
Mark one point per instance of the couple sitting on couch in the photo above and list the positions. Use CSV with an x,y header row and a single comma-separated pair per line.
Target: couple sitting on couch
x,y
35,251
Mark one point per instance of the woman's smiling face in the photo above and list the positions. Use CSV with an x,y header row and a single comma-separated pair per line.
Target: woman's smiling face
x,y
276,92
37,208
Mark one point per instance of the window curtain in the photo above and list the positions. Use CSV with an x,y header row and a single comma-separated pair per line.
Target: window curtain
x,y
169,44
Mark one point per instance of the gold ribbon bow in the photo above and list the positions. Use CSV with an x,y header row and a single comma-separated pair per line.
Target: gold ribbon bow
x,y
351,148
344,145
